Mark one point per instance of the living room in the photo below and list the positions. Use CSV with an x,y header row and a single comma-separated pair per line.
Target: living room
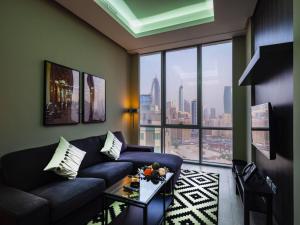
x,y
149,112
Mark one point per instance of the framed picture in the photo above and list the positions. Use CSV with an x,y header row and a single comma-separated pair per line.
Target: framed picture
x,y
62,93
94,99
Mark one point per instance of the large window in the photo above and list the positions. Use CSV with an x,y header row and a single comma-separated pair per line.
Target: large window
x,y
150,89
186,102
217,103
216,85
150,101
181,86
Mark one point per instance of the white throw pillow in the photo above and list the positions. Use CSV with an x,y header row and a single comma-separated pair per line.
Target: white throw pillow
x,y
112,146
66,160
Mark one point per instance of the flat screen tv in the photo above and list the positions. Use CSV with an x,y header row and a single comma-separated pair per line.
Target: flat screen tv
x,y
262,126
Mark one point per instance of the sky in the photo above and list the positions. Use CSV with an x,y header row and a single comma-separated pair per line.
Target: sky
x,y
181,69
216,73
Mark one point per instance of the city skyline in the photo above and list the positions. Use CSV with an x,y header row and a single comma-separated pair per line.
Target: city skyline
x,y
151,102
216,144
216,73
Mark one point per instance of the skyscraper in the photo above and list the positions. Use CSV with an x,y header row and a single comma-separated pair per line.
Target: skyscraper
x,y
206,113
187,106
145,107
194,112
155,93
212,113
180,102
145,102
227,99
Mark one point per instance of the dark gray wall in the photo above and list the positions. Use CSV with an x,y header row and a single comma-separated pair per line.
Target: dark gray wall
x,y
273,23
296,111
239,94
249,51
134,96
35,30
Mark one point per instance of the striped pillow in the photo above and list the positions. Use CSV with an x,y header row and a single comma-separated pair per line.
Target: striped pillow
x,y
112,146
66,160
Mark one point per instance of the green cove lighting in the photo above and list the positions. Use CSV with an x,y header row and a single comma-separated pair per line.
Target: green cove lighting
x,y
167,14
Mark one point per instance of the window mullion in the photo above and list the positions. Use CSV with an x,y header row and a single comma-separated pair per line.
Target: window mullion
x,y
199,98
163,100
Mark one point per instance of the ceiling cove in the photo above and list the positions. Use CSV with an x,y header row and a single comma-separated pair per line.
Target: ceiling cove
x,y
144,18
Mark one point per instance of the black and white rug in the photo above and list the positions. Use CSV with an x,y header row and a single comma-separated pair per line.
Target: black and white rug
x,y
196,200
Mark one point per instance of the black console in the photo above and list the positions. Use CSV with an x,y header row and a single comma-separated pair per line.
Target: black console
x,y
255,190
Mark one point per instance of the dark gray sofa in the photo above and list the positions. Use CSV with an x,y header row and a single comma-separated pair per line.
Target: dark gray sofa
x,y
31,196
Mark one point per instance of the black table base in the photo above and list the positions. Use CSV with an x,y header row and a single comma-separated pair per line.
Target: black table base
x,y
153,213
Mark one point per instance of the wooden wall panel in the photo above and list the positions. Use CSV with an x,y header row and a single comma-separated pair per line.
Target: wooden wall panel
x,y
273,23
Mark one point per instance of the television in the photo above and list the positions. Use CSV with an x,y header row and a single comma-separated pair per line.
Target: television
x,y
262,126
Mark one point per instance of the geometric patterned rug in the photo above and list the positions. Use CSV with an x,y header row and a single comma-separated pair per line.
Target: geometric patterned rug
x,y
196,199
195,202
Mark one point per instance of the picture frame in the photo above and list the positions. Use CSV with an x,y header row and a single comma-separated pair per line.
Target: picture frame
x,y
94,99
61,95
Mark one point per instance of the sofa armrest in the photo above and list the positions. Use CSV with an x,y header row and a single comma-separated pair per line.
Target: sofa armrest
x,y
139,148
22,208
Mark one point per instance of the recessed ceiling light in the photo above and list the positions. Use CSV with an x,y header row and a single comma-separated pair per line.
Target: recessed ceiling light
x,y
153,16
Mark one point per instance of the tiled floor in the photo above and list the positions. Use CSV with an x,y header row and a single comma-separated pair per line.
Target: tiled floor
x,y
230,206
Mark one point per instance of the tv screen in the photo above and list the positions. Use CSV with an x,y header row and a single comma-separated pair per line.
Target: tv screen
x,y
261,129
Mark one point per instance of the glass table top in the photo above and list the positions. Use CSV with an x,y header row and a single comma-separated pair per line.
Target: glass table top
x,y
146,190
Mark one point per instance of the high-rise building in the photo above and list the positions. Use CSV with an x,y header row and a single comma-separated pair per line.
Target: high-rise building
x,y
194,112
145,101
187,106
206,114
180,100
171,112
150,137
155,93
145,108
227,99
212,113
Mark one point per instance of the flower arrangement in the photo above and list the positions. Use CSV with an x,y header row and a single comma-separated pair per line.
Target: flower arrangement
x,y
154,172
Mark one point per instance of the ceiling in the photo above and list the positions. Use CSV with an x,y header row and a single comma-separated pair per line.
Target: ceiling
x,y
228,19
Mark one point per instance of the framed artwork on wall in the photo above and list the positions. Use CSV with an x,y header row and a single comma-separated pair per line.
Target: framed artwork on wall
x,y
94,99
62,95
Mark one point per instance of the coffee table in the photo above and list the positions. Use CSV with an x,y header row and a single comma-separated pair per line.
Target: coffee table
x,y
148,207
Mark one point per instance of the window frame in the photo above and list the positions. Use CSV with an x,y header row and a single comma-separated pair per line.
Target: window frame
x,y
163,125
139,89
198,79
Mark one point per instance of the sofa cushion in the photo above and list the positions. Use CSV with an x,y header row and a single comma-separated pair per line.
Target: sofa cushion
x,y
91,146
140,159
66,160
120,137
66,196
139,148
111,172
112,146
22,208
24,169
